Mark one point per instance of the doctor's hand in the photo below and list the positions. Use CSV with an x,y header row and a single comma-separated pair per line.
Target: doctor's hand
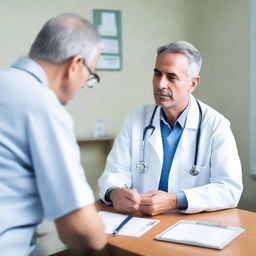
x,y
125,200
157,201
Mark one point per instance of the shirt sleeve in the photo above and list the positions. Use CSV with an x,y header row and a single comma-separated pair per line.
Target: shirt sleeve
x,y
182,202
107,200
60,178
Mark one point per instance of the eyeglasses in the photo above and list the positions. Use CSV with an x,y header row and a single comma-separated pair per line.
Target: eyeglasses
x,y
93,78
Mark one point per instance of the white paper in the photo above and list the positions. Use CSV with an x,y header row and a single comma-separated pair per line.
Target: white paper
x,y
109,62
200,233
110,46
108,25
134,227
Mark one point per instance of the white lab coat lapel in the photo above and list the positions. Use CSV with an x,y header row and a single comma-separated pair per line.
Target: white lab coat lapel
x,y
154,154
155,140
184,155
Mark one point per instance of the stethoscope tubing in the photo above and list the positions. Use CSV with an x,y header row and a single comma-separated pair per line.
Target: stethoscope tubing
x,y
141,166
198,135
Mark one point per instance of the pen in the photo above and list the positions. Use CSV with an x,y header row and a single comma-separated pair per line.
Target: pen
x,y
121,225
126,186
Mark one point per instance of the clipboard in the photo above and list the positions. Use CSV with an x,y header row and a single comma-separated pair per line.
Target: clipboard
x,y
200,233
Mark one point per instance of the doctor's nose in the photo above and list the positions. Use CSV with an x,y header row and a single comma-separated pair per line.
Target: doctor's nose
x,y
162,82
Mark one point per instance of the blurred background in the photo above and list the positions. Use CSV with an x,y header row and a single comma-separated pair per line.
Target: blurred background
x,y
222,30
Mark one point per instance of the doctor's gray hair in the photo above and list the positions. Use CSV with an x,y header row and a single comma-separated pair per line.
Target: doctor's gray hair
x,y
187,49
65,36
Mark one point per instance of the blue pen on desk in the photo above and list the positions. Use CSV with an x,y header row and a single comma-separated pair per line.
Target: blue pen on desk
x,y
115,232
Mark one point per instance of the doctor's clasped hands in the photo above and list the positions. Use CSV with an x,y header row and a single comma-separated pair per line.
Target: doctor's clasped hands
x,y
151,203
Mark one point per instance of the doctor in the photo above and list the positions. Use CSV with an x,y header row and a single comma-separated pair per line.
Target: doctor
x,y
178,153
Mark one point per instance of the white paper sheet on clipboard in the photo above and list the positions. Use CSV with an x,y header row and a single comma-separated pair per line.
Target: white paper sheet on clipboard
x,y
200,233
135,227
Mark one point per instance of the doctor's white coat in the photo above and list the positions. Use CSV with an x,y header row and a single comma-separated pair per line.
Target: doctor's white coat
x,y
219,183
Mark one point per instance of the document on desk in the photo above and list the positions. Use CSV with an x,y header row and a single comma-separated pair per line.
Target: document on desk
x,y
200,233
136,226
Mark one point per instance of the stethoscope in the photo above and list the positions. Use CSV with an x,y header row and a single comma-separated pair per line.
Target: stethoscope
x,y
141,166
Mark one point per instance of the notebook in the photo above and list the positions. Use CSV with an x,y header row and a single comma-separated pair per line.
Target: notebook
x,y
199,233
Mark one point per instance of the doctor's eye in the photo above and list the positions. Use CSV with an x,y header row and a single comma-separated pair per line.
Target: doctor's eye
x,y
170,77
157,73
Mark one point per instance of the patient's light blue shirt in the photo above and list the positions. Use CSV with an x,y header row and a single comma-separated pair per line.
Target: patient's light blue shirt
x,y
171,138
40,171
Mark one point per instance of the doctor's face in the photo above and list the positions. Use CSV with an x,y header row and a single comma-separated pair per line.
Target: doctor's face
x,y
171,84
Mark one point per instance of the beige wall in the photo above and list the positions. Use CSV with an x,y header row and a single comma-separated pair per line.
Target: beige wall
x,y
223,36
219,28
145,25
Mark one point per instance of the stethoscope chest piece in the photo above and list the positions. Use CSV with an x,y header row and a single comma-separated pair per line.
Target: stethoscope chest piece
x,y
141,167
194,171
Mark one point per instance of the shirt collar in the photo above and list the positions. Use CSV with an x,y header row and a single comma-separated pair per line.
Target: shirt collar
x,y
182,118
30,66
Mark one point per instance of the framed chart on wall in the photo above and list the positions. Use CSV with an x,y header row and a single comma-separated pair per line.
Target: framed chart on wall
x,y
108,23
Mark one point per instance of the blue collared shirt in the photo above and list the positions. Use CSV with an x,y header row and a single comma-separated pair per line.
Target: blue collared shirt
x,y
40,170
171,138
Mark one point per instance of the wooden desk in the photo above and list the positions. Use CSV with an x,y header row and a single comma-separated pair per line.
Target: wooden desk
x,y
243,245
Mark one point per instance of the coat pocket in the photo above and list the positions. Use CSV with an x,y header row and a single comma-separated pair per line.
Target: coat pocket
x,y
187,180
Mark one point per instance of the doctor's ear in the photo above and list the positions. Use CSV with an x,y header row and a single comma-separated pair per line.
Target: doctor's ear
x,y
194,82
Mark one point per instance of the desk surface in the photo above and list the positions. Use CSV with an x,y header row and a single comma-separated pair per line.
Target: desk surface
x,y
244,244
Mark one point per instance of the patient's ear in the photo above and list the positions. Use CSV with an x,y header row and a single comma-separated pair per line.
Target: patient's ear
x,y
74,66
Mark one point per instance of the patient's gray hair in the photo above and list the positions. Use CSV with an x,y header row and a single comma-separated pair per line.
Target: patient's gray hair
x,y
64,37
187,49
